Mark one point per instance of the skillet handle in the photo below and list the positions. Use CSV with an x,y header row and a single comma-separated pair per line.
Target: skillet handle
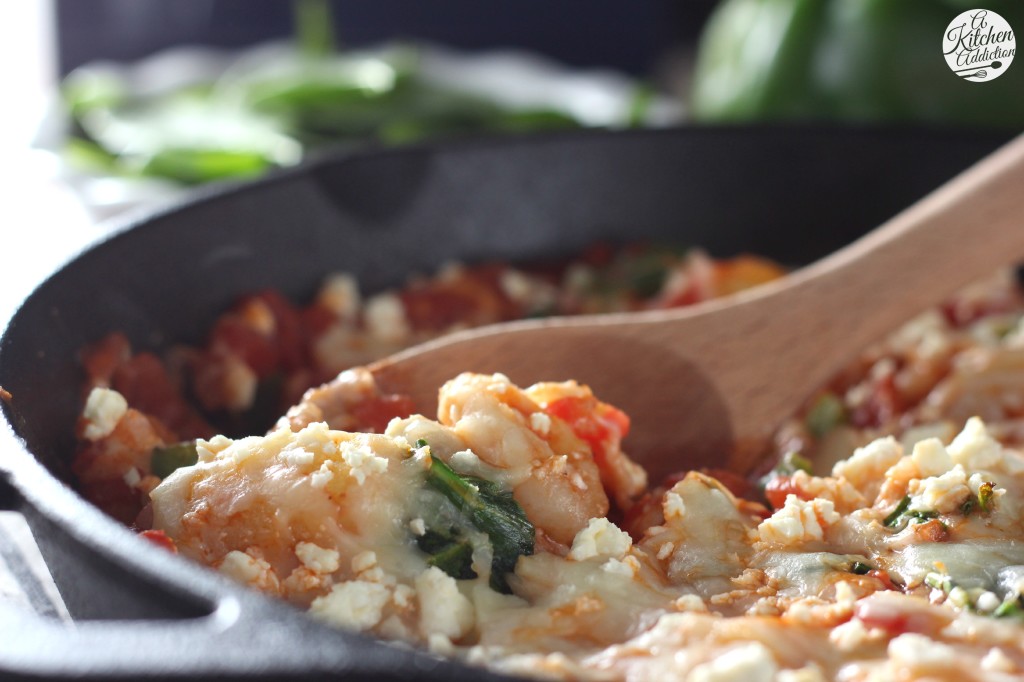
x,y
166,619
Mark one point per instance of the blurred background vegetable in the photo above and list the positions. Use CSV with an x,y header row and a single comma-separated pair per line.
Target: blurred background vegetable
x,y
273,107
856,61
187,117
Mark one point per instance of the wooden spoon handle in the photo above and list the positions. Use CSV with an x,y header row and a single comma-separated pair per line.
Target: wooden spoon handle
x,y
959,233
816,321
707,385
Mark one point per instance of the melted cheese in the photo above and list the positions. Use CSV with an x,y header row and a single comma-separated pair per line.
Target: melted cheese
x,y
713,593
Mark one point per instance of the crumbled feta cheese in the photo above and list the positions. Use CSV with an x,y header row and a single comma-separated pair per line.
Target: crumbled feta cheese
x,y
928,334
207,450
376,574
665,551
531,293
987,601
798,521
515,285
600,538
316,558
444,609
974,448
690,602
394,628
943,494
244,448
322,476
103,410
259,317
882,368
540,423
931,457
464,461
849,636
579,278
249,570
998,662
628,567
1015,337
357,605
240,566
418,527
362,460
421,456
364,561
977,480
385,318
673,506
467,462
315,436
403,596
238,384
921,652
297,457
868,464
499,382
839,490
340,295
811,673
747,663
440,644
132,477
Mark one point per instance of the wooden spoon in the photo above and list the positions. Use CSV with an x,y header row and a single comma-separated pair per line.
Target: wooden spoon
x,y
707,385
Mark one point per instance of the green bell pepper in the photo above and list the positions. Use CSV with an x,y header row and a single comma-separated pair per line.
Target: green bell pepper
x,y
847,60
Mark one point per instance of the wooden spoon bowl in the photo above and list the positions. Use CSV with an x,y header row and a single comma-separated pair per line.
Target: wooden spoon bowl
x,y
707,385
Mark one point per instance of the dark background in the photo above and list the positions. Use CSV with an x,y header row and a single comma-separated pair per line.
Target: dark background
x,y
631,35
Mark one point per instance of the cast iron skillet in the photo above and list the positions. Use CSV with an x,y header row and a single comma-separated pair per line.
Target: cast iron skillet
x,y
793,195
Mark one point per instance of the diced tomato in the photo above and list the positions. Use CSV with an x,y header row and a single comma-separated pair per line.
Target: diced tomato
x,y
317,319
160,539
896,619
779,487
145,384
598,255
289,332
644,513
961,311
374,414
590,420
883,577
615,416
103,357
681,296
933,530
744,272
234,334
883,404
893,621
437,309
473,297
114,497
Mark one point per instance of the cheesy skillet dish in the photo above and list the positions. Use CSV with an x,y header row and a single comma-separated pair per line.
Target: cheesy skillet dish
x,y
513,530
